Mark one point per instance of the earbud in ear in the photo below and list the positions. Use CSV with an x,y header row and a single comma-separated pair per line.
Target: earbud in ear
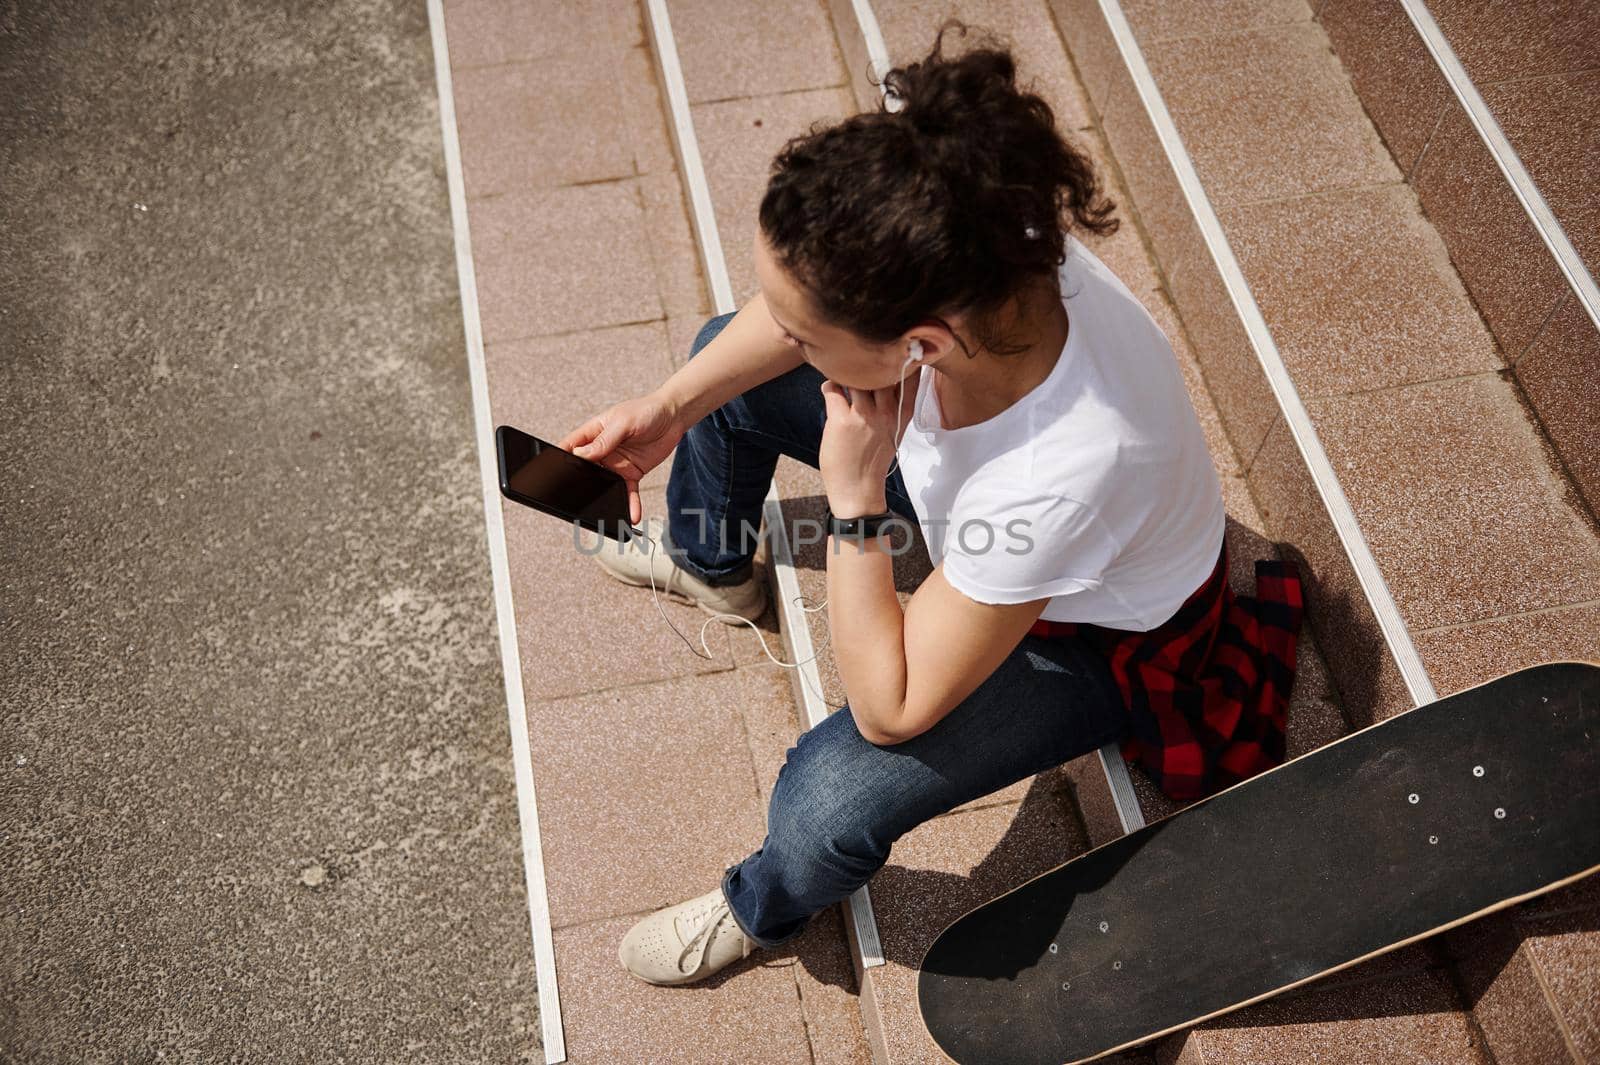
x,y
914,352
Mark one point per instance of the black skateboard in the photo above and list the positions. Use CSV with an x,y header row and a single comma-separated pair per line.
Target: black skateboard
x,y
1403,829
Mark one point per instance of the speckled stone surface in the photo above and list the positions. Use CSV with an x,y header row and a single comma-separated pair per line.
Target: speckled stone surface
x,y
1210,344
747,1012
1532,64
535,123
646,793
644,105
1358,291
1557,373
1303,323
1532,972
945,867
1554,126
1245,403
1391,70
1412,1018
1268,113
909,27
1513,1011
1094,53
256,794
1363,670
1155,20
1508,39
555,581
554,260
549,386
1464,656
1458,500
738,139
675,253
1144,172
482,32
1496,250
752,48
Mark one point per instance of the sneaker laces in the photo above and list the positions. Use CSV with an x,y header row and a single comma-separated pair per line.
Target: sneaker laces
x,y
704,922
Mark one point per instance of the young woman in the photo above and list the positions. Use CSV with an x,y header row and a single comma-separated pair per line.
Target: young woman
x,y
915,275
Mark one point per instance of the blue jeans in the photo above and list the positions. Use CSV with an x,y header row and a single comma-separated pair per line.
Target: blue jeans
x,y
840,801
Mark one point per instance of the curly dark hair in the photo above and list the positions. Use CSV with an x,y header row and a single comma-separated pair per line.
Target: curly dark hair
x,y
950,204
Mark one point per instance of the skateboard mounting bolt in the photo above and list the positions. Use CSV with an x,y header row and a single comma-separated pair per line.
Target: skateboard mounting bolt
x,y
1499,812
1067,986
1116,965
1413,798
1477,770
1052,948
1433,839
1105,926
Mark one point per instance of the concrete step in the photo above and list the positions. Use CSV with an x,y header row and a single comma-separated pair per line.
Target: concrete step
x,y
1476,525
589,289
903,906
1532,65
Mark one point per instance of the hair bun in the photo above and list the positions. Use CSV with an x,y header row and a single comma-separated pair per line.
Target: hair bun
x,y
940,93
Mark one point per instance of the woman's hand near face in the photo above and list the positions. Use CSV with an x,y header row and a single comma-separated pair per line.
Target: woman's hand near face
x,y
631,438
858,444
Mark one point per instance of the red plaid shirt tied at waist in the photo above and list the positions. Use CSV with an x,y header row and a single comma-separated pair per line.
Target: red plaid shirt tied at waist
x,y
1207,691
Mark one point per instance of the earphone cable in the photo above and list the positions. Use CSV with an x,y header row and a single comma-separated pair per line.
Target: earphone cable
x,y
706,647
913,355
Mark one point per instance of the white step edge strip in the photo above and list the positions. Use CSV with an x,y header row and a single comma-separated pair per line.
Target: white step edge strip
x,y
544,958
792,616
1506,157
1120,785
1395,633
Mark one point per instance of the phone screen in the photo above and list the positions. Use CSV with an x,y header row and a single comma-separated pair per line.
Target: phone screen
x,y
538,474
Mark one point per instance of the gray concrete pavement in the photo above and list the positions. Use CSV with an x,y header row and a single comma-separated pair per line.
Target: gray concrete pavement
x,y
256,799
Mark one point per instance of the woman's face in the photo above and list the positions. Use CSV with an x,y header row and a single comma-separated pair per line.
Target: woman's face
x,y
838,354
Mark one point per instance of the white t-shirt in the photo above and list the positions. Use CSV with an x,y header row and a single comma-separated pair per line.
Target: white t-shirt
x,y
1095,488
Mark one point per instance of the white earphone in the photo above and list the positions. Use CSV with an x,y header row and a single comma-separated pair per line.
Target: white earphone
x,y
913,354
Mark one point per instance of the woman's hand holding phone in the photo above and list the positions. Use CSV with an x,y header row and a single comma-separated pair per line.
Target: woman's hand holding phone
x,y
630,438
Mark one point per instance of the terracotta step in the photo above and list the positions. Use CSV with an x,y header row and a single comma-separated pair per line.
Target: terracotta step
x,y
1485,547
1532,66
589,287
1315,715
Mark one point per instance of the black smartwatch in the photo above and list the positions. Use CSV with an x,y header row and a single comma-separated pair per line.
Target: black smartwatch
x,y
862,527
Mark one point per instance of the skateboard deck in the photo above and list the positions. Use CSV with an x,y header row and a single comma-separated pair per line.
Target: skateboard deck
x,y
1395,832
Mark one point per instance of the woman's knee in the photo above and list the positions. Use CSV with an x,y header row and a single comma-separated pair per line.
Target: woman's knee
x,y
708,332
828,797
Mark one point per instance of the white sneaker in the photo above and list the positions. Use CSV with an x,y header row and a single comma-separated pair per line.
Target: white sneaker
x,y
685,943
633,563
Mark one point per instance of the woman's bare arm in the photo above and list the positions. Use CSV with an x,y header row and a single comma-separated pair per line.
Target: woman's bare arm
x,y
749,350
632,437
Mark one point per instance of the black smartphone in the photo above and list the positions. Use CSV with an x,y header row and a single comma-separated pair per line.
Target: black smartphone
x,y
538,474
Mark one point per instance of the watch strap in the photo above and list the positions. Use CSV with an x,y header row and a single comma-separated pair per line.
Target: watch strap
x,y
863,526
